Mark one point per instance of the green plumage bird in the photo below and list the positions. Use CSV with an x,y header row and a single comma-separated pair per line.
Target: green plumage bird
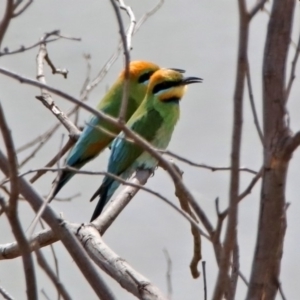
x,y
92,140
154,120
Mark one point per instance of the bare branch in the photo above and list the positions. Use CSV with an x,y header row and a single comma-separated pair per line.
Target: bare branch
x,y
116,54
142,176
115,266
258,6
27,4
235,268
204,166
5,294
24,49
45,294
39,139
44,265
271,227
131,28
64,234
41,239
11,210
147,15
46,237
293,71
184,204
126,39
61,153
231,231
252,183
252,102
6,19
204,280
46,97
281,291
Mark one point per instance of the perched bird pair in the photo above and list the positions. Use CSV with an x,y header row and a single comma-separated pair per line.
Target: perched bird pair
x,y
152,113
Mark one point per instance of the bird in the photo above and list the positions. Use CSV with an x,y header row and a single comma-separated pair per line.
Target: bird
x,y
93,140
154,120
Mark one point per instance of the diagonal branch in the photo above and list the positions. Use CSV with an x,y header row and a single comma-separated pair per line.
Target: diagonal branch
x,y
252,103
258,6
55,280
293,71
64,234
12,213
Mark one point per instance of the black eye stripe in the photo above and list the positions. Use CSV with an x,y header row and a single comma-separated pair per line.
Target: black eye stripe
x,y
165,85
144,77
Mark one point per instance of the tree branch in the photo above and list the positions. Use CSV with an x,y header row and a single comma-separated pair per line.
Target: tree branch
x,y
115,266
231,231
44,265
271,227
64,234
12,213
6,19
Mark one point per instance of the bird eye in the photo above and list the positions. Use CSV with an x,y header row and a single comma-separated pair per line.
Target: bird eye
x,y
165,85
145,77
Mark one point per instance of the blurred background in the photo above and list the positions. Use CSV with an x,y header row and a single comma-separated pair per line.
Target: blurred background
x,y
198,36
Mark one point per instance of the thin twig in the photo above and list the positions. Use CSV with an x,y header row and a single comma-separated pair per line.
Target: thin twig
x,y
27,4
281,291
5,294
46,41
252,103
293,71
258,6
116,54
252,183
62,152
45,294
204,166
54,258
55,280
235,267
126,42
124,182
147,15
45,95
204,279
12,213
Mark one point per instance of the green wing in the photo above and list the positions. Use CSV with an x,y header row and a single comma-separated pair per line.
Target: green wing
x,y
124,153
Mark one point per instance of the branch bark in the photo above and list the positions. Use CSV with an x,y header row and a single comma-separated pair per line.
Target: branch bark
x,y
12,211
271,227
6,19
222,283
64,234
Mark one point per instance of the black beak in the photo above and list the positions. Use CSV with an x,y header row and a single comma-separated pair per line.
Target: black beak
x,y
177,70
189,80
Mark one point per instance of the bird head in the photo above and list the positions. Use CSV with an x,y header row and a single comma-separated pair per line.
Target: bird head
x,y
169,85
139,76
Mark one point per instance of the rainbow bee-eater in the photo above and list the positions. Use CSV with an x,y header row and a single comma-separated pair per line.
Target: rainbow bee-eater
x,y
154,120
93,140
